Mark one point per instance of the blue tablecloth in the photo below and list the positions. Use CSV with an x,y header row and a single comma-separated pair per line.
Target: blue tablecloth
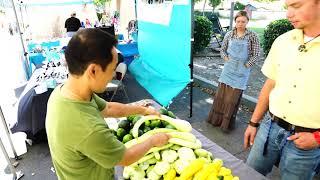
x,y
128,49
36,58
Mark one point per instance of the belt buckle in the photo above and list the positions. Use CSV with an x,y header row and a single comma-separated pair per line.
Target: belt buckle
x,y
292,129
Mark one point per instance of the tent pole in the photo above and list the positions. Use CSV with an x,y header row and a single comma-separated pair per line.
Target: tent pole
x,y
231,14
135,10
12,170
204,5
21,38
16,175
3,121
20,8
191,58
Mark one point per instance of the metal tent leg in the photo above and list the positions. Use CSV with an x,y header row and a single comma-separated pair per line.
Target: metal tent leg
x,y
16,175
3,121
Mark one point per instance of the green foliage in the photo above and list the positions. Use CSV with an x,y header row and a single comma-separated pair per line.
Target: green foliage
x,y
214,3
209,14
265,0
239,6
274,30
202,33
99,16
100,2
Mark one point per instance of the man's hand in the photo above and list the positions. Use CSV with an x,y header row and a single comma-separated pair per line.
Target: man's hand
x,y
249,136
226,58
151,111
159,139
304,140
246,65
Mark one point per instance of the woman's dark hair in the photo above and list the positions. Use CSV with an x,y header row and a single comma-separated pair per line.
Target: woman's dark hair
x,y
241,13
89,46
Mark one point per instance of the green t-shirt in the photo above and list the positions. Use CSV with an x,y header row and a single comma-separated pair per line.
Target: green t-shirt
x,y
81,145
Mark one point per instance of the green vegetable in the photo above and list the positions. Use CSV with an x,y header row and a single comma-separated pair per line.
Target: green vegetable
x,y
169,126
127,171
150,168
147,123
180,125
147,135
146,129
144,166
164,123
153,176
175,147
170,114
157,155
220,177
169,155
181,142
180,164
125,124
155,123
127,138
136,119
161,168
186,154
201,152
152,161
163,111
140,132
210,156
183,135
137,174
121,132
143,159
131,117
157,149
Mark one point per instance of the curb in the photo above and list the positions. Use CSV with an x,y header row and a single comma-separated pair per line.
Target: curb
x,y
246,100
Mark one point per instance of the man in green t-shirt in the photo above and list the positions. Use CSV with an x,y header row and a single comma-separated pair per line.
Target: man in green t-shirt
x,y
81,145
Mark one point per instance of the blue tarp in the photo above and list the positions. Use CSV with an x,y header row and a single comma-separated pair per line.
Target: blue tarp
x,y
162,67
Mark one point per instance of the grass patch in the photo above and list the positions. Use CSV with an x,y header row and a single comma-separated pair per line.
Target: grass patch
x,y
259,31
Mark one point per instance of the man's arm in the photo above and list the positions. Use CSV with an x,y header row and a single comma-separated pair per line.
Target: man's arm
x,y
79,23
137,151
261,108
114,109
66,23
263,101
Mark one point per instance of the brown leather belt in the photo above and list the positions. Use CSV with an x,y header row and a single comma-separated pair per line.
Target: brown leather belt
x,y
290,127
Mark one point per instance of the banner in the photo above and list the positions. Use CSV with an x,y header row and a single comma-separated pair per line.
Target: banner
x,y
164,47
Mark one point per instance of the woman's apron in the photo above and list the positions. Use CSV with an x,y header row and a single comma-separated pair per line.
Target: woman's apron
x,y
235,73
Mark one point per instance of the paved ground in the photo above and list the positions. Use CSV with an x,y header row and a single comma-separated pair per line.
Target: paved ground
x,y
210,67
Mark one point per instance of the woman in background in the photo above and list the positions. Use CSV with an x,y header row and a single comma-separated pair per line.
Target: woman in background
x,y
240,50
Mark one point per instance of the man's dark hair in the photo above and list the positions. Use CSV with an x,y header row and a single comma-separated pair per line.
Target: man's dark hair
x,y
89,46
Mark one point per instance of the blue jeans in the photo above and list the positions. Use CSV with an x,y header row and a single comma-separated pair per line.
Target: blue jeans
x,y
294,163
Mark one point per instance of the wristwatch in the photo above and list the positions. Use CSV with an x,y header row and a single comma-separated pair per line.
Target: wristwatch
x,y
253,124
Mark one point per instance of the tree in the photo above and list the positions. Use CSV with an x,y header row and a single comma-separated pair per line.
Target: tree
x,y
214,3
100,2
